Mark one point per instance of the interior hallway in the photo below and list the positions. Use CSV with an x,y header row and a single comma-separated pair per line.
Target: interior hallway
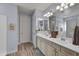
x,y
26,49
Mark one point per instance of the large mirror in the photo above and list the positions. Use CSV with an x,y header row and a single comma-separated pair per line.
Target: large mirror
x,y
42,24
57,24
71,22
64,26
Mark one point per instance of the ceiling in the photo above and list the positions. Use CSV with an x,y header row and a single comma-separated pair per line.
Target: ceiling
x,y
29,8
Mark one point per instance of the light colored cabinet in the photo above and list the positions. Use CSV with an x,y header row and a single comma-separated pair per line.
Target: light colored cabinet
x,y
51,51
77,54
45,47
49,48
67,52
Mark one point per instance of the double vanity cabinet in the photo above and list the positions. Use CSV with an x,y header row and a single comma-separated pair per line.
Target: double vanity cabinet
x,y
49,48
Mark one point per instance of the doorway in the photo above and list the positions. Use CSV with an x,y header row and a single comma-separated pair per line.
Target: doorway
x,y
25,29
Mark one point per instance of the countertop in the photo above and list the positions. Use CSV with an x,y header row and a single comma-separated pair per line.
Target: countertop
x,y
67,44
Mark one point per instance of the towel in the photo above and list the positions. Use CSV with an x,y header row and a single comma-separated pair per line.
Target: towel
x,y
76,36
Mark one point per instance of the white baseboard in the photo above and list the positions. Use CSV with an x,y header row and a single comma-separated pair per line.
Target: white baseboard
x,y
24,42
3,54
12,51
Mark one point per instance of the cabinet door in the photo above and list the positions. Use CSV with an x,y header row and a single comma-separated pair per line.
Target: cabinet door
x,y
57,52
38,42
42,46
50,51
67,52
55,48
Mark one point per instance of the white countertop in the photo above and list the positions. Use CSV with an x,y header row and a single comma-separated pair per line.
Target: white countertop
x,y
67,44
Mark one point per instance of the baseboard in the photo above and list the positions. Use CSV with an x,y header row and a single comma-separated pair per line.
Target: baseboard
x,y
25,42
3,54
13,51
40,51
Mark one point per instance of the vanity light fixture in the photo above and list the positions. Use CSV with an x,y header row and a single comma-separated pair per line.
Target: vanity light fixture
x,y
48,14
58,7
40,19
45,15
71,4
66,7
63,4
51,13
61,9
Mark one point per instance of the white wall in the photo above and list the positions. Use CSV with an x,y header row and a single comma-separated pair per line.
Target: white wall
x,y
3,34
27,22
10,11
35,16
33,29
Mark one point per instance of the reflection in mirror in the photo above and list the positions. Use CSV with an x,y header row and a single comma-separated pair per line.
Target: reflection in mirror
x,y
57,24
71,22
52,23
40,25
43,25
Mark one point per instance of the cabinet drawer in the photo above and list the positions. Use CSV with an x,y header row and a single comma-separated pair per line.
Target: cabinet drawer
x,y
67,52
50,51
57,47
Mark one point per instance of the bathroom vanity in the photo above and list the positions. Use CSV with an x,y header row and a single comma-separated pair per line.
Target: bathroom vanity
x,y
55,46
62,45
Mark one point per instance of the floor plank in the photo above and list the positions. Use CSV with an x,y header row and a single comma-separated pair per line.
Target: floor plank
x,y
26,49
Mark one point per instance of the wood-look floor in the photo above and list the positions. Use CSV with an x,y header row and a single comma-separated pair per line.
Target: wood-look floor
x,y
26,49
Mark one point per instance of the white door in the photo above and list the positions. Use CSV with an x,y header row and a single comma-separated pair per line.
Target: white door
x,y
3,34
25,29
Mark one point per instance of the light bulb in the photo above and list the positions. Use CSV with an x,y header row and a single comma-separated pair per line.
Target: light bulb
x,y
45,15
66,7
61,9
51,13
58,7
71,4
48,13
63,4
